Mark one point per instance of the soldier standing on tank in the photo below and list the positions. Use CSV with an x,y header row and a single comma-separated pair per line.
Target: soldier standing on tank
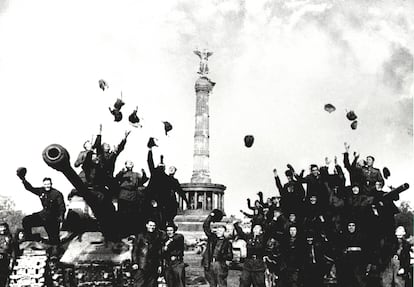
x,y
146,256
6,249
131,197
53,210
173,254
217,252
175,188
254,266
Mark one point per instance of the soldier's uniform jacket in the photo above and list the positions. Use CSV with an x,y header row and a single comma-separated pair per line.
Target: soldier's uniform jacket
x,y
174,247
6,244
146,252
256,246
52,201
129,182
371,176
224,250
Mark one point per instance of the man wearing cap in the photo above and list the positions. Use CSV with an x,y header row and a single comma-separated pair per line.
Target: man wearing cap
x,y
314,262
356,174
254,265
352,263
292,253
397,269
146,256
315,185
53,210
217,252
173,253
292,193
131,196
371,175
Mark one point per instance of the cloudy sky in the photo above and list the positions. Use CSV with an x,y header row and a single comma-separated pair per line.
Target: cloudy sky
x,y
276,63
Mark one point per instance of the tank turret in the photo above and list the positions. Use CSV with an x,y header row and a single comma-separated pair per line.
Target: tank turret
x,y
57,157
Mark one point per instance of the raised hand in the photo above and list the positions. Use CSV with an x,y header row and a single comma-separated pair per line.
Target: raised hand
x,y
347,146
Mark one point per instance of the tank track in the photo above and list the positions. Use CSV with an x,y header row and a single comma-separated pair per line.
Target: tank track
x,y
30,269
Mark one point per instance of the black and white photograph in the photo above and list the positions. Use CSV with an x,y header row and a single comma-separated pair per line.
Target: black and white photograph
x,y
264,143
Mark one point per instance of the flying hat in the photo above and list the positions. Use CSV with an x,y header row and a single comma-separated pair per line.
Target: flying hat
x,y
117,114
21,172
248,140
167,127
217,215
151,143
134,119
103,85
386,172
118,104
351,115
354,125
329,108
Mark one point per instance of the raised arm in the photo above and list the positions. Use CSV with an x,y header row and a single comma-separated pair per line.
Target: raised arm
x,y
249,204
29,187
277,181
98,142
206,226
177,188
150,161
239,231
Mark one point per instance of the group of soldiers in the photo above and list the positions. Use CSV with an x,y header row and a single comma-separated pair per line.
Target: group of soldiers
x,y
146,212
327,232
300,238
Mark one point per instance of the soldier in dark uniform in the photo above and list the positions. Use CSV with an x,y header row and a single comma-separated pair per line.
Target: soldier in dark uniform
x,y
146,256
173,254
314,263
254,266
351,266
371,175
175,188
131,197
292,255
217,252
52,214
292,193
6,250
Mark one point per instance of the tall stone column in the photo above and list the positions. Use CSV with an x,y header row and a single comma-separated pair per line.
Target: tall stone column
x,y
201,168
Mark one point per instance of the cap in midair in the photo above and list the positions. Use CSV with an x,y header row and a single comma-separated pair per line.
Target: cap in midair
x,y
118,104
134,119
329,108
351,115
151,143
354,125
386,172
117,114
103,85
167,127
248,140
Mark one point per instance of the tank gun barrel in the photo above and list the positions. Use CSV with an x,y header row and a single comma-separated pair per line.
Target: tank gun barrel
x,y
393,194
58,158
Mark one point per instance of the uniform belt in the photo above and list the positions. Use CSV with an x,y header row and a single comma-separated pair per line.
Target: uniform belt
x,y
255,257
354,248
215,260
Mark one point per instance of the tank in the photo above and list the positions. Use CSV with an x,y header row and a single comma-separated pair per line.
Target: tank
x,y
92,253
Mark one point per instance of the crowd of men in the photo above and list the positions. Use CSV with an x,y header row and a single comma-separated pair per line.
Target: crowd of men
x,y
301,238
329,231
146,212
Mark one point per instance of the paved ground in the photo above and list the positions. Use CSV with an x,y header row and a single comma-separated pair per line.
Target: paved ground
x,y
195,273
